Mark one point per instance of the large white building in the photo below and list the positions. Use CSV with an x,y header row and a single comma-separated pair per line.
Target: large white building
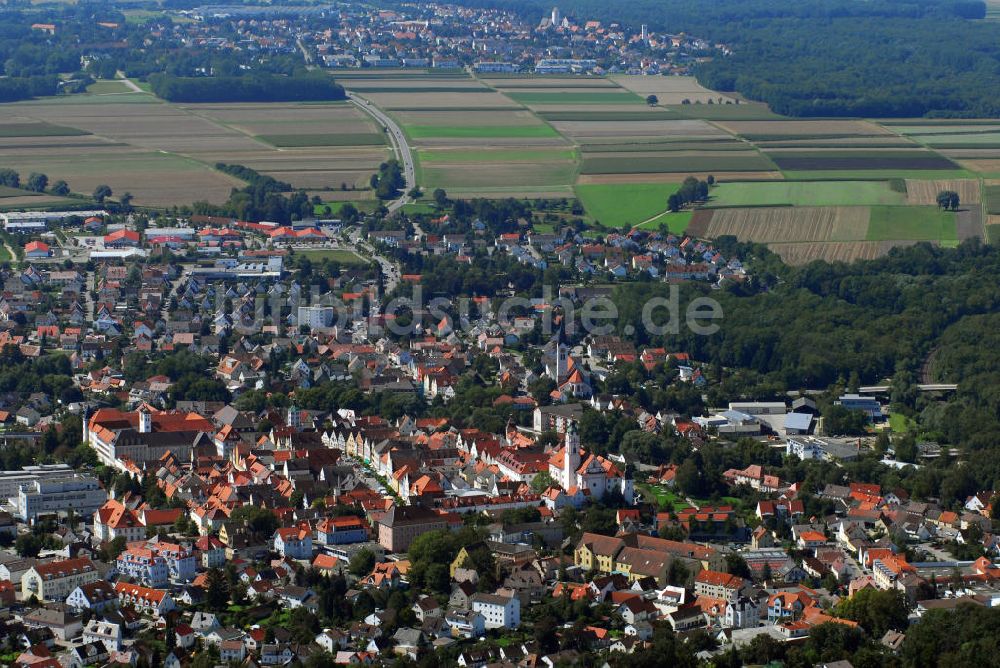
x,y
81,493
316,317
500,610
56,580
11,481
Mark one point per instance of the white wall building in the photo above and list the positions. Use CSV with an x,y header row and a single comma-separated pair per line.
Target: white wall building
x,y
500,610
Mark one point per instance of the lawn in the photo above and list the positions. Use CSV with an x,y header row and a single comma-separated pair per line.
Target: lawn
x,y
334,255
576,98
364,206
417,208
900,423
327,139
666,499
805,193
625,204
105,86
675,222
480,131
917,223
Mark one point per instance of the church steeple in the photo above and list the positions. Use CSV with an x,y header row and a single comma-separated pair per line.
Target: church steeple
x,y
571,457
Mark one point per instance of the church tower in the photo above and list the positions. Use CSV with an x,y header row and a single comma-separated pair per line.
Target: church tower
x,y
145,420
571,457
294,418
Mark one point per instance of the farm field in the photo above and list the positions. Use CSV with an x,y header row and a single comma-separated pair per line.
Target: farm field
x,y
588,97
799,128
627,203
805,193
481,131
728,161
788,224
926,192
918,223
860,160
164,154
668,90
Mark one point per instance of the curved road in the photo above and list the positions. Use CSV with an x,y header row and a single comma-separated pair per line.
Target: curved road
x,y
399,145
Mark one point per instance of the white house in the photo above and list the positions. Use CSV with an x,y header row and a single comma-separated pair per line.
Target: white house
x,y
500,610
293,542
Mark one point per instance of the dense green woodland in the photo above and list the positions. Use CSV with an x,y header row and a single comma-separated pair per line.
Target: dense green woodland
x,y
258,87
840,58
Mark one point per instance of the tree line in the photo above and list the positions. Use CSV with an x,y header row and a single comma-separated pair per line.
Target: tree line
x,y
253,87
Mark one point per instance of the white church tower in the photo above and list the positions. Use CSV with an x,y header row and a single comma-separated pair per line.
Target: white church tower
x,y
294,418
145,420
571,457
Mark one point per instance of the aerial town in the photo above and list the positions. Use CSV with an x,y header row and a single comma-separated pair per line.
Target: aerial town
x,y
202,476
499,334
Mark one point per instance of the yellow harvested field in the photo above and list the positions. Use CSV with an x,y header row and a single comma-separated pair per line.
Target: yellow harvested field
x,y
834,251
787,224
985,165
669,90
819,128
676,178
926,192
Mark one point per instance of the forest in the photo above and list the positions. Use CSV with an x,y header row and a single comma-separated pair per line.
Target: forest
x,y
839,58
254,87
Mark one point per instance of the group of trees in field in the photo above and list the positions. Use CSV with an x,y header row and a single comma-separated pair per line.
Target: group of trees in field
x,y
253,87
263,198
389,180
691,190
36,182
948,199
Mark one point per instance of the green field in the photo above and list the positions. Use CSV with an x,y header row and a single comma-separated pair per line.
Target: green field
x,y
617,204
646,115
856,174
804,193
917,223
105,86
40,129
419,208
480,131
328,139
334,255
364,206
993,234
498,155
991,198
747,161
615,97
677,223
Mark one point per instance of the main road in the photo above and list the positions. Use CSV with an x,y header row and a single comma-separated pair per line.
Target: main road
x,y
399,145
